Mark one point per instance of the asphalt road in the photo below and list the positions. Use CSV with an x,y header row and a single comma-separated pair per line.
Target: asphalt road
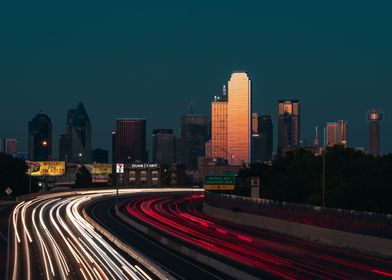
x,y
273,255
52,240
178,265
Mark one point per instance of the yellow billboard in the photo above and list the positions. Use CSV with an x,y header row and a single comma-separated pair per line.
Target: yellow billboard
x,y
46,168
101,169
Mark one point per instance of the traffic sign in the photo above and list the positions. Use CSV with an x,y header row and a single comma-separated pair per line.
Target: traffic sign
x,y
8,191
120,168
219,180
218,187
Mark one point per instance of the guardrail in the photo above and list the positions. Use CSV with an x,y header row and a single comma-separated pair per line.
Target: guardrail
x,y
367,223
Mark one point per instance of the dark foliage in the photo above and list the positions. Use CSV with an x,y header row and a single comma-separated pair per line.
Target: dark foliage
x,y
13,175
353,179
83,178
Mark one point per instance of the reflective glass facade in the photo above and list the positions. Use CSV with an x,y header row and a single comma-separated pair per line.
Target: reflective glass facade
x,y
239,119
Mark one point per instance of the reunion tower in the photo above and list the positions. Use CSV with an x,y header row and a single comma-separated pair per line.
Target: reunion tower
x,y
374,117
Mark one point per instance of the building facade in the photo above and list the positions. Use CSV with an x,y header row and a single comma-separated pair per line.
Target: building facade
x,y
194,135
239,119
336,133
77,139
262,138
8,145
219,126
40,138
163,146
288,125
129,140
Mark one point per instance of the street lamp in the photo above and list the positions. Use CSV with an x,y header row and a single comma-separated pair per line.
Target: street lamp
x,y
43,143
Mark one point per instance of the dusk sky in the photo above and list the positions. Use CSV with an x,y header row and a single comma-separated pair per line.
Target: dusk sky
x,y
150,59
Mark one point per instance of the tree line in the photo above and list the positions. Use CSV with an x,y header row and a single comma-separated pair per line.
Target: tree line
x,y
353,180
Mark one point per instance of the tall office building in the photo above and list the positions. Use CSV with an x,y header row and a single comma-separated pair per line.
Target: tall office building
x,y
219,126
194,135
63,147
40,138
163,146
8,145
266,130
336,133
262,138
129,140
78,135
239,119
288,125
99,156
374,117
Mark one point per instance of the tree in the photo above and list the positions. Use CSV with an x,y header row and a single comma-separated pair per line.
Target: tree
x,y
83,178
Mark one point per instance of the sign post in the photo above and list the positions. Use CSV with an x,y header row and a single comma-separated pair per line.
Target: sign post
x,y
119,170
255,187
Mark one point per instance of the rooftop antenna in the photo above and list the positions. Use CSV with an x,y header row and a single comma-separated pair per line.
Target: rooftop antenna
x,y
224,90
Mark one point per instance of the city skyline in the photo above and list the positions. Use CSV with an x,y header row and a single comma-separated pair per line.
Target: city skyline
x,y
326,56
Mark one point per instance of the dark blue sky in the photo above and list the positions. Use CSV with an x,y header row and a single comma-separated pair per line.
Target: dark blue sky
x,y
151,59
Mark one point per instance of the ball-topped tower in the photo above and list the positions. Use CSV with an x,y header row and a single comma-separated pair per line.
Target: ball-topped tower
x,y
374,116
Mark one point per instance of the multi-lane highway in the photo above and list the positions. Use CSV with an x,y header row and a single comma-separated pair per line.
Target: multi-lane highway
x,y
274,255
53,239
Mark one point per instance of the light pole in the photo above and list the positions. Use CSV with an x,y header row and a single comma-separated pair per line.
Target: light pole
x,y
324,178
44,143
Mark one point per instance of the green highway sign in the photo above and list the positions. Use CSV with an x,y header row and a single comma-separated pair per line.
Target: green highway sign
x,y
219,180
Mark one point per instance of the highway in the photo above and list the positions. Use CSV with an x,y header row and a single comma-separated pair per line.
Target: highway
x,y
275,256
52,240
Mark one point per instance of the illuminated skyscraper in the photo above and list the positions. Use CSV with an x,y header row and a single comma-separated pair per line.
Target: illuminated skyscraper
x,y
239,119
374,117
219,126
337,133
129,141
40,138
288,125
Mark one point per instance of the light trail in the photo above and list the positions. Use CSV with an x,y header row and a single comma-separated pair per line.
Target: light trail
x,y
68,246
280,256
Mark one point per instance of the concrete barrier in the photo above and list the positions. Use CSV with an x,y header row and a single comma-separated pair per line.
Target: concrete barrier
x,y
187,251
362,243
135,254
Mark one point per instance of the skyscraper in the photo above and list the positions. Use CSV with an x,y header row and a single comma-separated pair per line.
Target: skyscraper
x,y
40,138
288,125
130,140
336,133
239,119
8,145
266,130
63,147
163,146
78,132
194,135
374,117
262,138
219,126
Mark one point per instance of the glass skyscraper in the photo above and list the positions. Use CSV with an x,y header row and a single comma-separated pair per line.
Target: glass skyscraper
x,y
239,119
288,125
40,138
219,126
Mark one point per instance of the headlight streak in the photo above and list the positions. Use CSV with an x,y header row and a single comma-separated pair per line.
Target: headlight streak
x,y
53,224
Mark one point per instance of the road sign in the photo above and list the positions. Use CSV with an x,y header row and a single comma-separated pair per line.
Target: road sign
x,y
8,191
218,187
219,180
120,168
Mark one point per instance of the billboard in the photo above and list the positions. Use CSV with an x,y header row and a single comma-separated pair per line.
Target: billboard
x,y
45,168
99,172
